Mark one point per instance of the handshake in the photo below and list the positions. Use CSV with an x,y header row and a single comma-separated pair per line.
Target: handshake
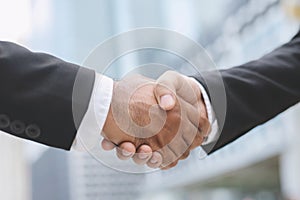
x,y
156,122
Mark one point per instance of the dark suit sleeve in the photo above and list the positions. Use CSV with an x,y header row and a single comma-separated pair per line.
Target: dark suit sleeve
x,y
36,95
256,91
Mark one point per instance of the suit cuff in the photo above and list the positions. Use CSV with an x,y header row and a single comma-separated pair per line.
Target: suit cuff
x,y
213,135
89,131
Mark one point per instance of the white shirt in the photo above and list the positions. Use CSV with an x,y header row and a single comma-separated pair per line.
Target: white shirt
x,y
92,124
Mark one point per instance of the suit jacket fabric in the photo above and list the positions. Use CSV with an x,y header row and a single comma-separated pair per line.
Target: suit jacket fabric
x,y
36,95
256,91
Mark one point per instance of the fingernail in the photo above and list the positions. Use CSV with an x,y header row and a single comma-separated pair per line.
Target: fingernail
x,y
166,101
143,155
126,153
153,161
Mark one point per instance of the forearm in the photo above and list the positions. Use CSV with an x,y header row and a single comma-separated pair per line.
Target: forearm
x,y
257,91
37,91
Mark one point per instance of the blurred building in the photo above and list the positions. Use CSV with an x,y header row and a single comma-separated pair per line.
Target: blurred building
x,y
61,175
92,180
50,176
14,173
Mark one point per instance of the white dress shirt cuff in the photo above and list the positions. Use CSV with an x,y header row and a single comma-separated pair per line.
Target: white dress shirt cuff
x,y
89,132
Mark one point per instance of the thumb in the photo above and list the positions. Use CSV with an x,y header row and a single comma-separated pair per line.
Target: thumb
x,y
164,93
167,102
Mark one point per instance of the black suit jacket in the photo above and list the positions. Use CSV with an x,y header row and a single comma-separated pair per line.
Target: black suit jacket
x,y
36,95
256,91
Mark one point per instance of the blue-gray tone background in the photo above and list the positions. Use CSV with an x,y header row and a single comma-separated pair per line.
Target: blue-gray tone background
x,y
264,165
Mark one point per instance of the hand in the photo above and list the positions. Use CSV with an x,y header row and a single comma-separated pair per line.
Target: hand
x,y
134,116
187,91
172,90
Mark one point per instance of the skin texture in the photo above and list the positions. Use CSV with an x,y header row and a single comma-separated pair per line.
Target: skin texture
x,y
169,116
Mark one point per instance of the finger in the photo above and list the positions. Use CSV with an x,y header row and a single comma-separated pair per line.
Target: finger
x,y
185,155
168,156
165,90
125,150
191,112
143,154
165,97
155,161
182,141
166,101
188,137
170,165
177,146
107,145
192,136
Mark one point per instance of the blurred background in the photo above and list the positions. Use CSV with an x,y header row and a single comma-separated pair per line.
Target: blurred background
x,y
262,165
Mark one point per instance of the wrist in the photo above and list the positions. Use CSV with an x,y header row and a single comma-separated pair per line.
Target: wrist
x,y
96,115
